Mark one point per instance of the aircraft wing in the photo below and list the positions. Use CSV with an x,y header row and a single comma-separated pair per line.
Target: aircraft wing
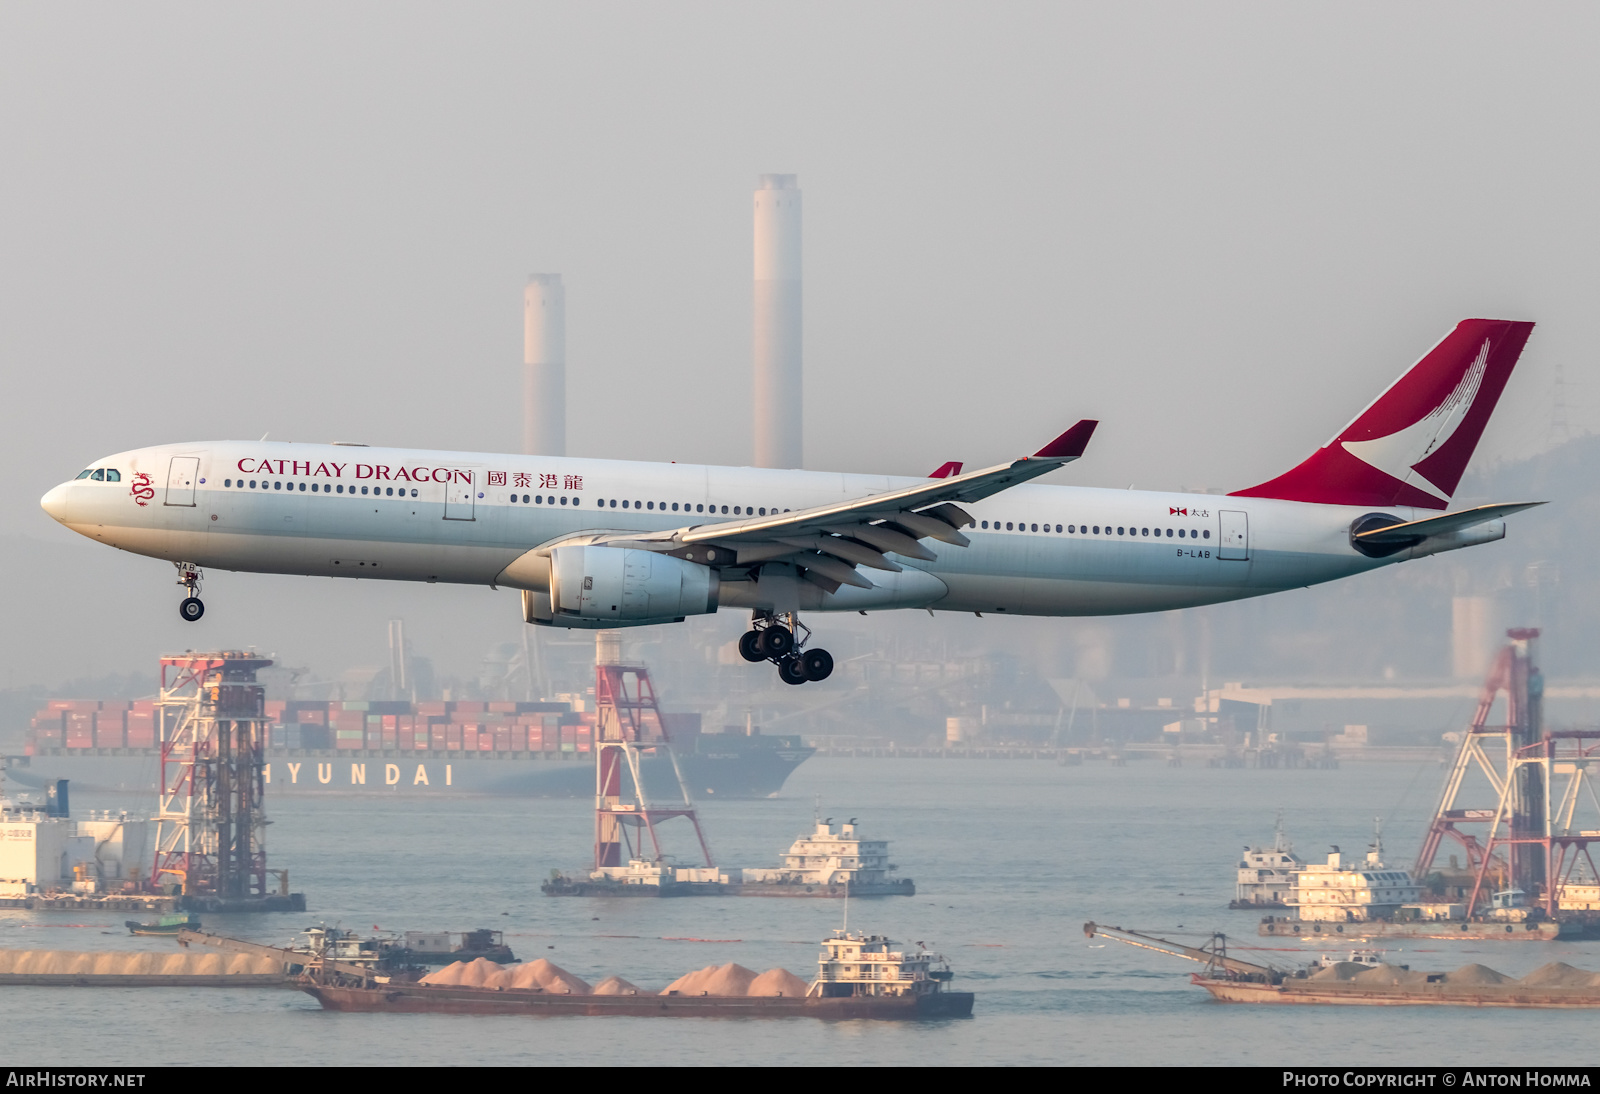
x,y
829,541
1411,530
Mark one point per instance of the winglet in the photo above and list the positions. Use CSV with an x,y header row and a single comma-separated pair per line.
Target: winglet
x,y
1070,445
952,467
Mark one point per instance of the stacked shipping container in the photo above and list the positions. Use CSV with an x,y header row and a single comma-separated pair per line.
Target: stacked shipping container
x,y
320,726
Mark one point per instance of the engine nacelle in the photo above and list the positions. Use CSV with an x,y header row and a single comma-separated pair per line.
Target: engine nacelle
x,y
624,587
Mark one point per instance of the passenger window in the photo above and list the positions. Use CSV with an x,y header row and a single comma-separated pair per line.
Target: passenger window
x,y
227,482
625,505
1206,533
363,489
302,487
1008,526
1181,534
575,501
699,508
524,497
99,476
763,511
1036,527
113,475
1169,533
549,499
1070,527
1058,528
389,490
538,499
279,486
1120,531
649,505
986,524
735,510
674,507
339,489
724,510
563,499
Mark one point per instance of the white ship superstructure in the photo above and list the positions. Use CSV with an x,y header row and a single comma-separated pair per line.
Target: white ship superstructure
x,y
1266,874
825,859
1334,892
869,964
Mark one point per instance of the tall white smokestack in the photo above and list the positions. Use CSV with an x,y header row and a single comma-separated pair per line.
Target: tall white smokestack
x,y
544,368
776,350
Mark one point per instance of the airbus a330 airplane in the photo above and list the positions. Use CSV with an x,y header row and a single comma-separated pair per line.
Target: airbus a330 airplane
x,y
606,543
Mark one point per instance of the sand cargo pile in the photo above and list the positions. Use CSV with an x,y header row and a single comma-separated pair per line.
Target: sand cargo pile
x,y
67,968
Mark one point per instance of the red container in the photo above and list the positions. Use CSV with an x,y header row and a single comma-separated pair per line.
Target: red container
x,y
374,738
438,736
311,717
117,704
433,706
469,738
351,744
452,737
50,719
535,739
391,738
84,740
143,706
141,738
502,738
389,721
503,708
420,738
274,709
518,736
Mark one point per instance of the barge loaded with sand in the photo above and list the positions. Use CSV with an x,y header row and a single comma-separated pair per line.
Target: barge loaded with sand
x,y
858,976
1555,986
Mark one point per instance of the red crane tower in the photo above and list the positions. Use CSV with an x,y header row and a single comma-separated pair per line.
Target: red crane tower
x,y
1533,835
629,724
210,821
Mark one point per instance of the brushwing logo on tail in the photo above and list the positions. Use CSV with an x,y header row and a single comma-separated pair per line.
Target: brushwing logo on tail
x,y
1398,454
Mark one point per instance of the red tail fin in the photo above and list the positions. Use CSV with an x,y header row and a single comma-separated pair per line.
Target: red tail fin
x,y
1411,444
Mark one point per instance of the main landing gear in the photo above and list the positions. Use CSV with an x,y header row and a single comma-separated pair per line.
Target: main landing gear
x,y
773,639
189,577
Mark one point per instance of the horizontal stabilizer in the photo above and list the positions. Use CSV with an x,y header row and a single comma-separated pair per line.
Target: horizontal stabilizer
x,y
1412,530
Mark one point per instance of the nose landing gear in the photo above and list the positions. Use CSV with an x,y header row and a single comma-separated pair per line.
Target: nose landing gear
x,y
189,577
773,639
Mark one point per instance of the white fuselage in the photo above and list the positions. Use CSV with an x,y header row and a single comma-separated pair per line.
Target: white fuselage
x,y
463,517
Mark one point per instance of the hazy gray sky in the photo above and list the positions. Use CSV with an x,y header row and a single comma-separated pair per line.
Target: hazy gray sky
x,y
1220,228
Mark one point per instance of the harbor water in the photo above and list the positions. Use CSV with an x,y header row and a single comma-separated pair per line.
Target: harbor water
x,y
1009,857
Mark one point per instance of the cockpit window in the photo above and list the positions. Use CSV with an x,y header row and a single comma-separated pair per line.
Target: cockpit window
x,y
99,475
85,473
113,475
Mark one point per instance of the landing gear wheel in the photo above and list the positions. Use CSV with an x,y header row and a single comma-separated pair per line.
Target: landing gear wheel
x,y
776,641
790,671
750,646
816,664
191,609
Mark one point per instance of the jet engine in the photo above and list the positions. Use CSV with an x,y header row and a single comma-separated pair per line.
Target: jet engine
x,y
624,587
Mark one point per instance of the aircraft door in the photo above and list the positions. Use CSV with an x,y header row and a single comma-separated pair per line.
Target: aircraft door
x,y
1234,542
461,494
181,476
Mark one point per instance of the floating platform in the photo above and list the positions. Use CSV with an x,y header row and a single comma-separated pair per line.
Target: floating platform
x,y
426,999
150,904
565,886
1477,930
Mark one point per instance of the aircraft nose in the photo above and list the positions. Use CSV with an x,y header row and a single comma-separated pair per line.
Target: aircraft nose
x,y
55,502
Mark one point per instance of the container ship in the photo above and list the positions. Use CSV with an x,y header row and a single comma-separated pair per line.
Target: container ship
x,y
402,748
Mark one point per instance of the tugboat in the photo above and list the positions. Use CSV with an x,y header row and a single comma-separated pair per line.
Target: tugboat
x,y
166,926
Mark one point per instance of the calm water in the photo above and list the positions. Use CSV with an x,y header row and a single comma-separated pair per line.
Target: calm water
x,y
1010,858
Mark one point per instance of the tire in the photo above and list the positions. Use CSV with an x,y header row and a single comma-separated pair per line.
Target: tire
x,y
790,671
750,646
776,641
191,609
817,664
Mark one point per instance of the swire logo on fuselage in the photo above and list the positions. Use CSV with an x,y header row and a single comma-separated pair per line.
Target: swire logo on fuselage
x,y
379,471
